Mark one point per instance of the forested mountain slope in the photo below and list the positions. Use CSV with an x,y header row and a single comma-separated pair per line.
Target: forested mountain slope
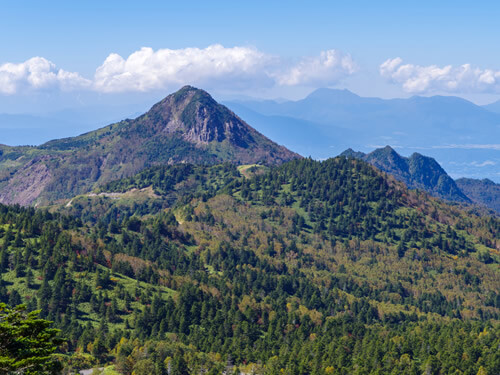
x,y
307,268
187,126
417,172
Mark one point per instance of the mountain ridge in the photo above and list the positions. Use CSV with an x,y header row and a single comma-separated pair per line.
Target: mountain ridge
x,y
186,126
493,107
417,172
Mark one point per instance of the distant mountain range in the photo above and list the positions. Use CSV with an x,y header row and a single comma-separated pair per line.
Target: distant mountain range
x,y
187,126
461,135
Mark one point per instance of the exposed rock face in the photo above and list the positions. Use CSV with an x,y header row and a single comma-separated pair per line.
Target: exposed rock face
x,y
27,183
200,120
187,126
417,172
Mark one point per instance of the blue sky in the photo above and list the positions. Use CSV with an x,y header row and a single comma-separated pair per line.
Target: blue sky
x,y
65,53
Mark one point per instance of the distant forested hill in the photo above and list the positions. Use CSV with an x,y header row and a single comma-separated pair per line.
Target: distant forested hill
x,y
484,192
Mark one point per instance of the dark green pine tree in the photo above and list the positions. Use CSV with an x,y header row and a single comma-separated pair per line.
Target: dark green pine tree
x,y
26,343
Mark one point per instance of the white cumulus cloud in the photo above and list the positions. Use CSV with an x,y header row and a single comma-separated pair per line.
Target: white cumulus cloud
x,y
38,73
432,78
216,65
147,69
326,69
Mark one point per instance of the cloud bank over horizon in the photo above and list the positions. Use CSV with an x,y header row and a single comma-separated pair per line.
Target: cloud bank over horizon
x,y
419,79
238,67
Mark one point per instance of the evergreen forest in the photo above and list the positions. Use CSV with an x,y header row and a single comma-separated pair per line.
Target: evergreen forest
x,y
310,267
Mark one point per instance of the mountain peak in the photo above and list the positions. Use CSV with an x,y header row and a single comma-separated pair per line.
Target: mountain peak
x,y
183,96
417,171
192,93
188,88
186,126
193,115
350,153
388,150
389,161
333,95
387,153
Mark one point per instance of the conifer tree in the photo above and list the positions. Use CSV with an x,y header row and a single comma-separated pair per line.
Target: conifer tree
x,y
27,343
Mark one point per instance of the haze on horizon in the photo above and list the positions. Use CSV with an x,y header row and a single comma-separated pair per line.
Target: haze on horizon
x,y
84,65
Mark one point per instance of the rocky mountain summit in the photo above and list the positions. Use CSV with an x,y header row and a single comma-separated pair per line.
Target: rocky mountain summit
x,y
186,126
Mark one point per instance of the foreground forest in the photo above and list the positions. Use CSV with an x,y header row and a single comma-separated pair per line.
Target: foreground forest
x,y
307,268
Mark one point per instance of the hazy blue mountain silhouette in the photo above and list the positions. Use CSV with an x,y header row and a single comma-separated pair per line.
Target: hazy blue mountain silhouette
x,y
483,191
458,133
493,107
